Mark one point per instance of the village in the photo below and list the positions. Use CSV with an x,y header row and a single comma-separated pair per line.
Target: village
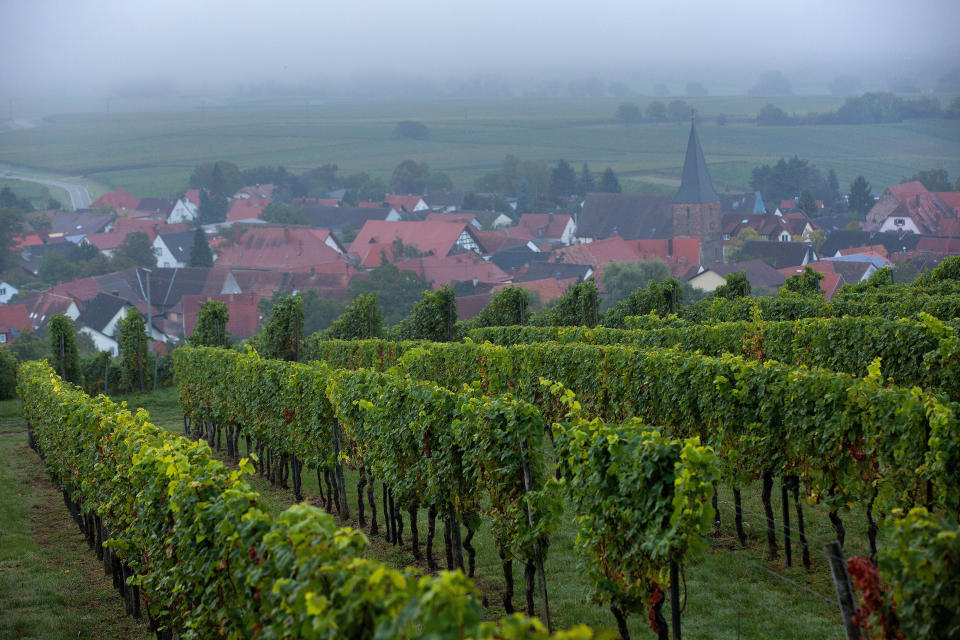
x,y
701,236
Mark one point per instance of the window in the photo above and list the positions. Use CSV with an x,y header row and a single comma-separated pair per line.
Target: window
x,y
3,291
3,338
898,221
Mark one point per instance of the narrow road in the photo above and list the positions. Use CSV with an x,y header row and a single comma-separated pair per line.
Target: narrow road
x,y
79,196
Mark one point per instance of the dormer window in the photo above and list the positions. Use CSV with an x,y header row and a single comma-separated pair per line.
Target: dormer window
x,y
899,222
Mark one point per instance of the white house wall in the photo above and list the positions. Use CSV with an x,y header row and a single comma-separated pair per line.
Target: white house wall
x,y
100,341
183,211
890,224
7,291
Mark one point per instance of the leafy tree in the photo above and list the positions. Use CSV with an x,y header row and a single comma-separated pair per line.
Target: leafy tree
x,y
278,213
433,317
213,207
735,248
772,83
563,180
411,129
348,233
29,346
397,290
318,312
211,329
283,333
608,182
132,336
787,178
932,179
137,248
438,181
662,297
220,178
860,199
585,183
55,267
536,175
10,200
620,279
508,306
200,254
361,320
656,111
679,110
578,306
321,180
11,223
772,115
410,177
63,349
807,203
628,113
803,284
736,286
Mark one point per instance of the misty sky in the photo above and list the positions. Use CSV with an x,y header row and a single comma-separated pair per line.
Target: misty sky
x,y
86,44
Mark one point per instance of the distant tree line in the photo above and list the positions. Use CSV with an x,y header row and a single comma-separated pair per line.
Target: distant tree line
x,y
870,108
656,111
789,178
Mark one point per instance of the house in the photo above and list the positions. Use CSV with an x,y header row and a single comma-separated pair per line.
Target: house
x,y
780,254
599,252
247,210
328,280
444,201
909,207
758,273
256,192
173,249
854,271
547,289
518,257
278,247
119,200
99,320
335,218
13,319
7,291
183,211
742,203
425,238
31,256
548,227
159,208
43,305
405,204
244,315
73,226
479,219
461,267
628,215
556,270
772,228
107,242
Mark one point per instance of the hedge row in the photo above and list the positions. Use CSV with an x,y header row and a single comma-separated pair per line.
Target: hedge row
x,y
209,559
845,436
910,352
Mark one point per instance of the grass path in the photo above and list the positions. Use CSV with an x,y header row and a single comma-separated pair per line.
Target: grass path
x,y
51,585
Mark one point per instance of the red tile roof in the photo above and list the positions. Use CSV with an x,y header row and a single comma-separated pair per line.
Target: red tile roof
x,y
329,280
500,239
869,250
952,198
831,279
598,252
543,225
456,268
244,316
246,209
81,290
124,226
458,216
938,246
14,316
405,203
278,248
193,195
118,200
907,190
548,289
317,202
469,306
43,305
430,238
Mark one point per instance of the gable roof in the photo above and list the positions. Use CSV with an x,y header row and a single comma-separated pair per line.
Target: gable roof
x,y
599,252
405,203
14,317
269,247
547,289
518,257
98,313
246,209
782,254
758,272
695,184
162,206
118,200
244,315
441,270
79,223
193,196
555,270
436,238
180,244
750,202
334,218
112,239
628,215
907,190
329,280
437,200
951,199
43,305
544,225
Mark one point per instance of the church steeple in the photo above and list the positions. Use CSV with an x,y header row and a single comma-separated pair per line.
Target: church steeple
x,y
695,184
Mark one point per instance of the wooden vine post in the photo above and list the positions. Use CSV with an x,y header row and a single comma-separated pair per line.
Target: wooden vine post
x,y
537,549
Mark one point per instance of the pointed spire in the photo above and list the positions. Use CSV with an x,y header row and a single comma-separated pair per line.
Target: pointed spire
x,y
695,184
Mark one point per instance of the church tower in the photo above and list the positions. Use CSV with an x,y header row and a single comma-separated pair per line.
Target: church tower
x,y
696,209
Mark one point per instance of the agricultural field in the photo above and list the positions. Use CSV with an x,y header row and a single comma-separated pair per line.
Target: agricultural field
x,y
154,153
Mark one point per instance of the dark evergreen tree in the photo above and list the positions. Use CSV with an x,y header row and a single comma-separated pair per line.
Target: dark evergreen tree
x,y
609,182
563,180
200,254
807,203
860,198
586,183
